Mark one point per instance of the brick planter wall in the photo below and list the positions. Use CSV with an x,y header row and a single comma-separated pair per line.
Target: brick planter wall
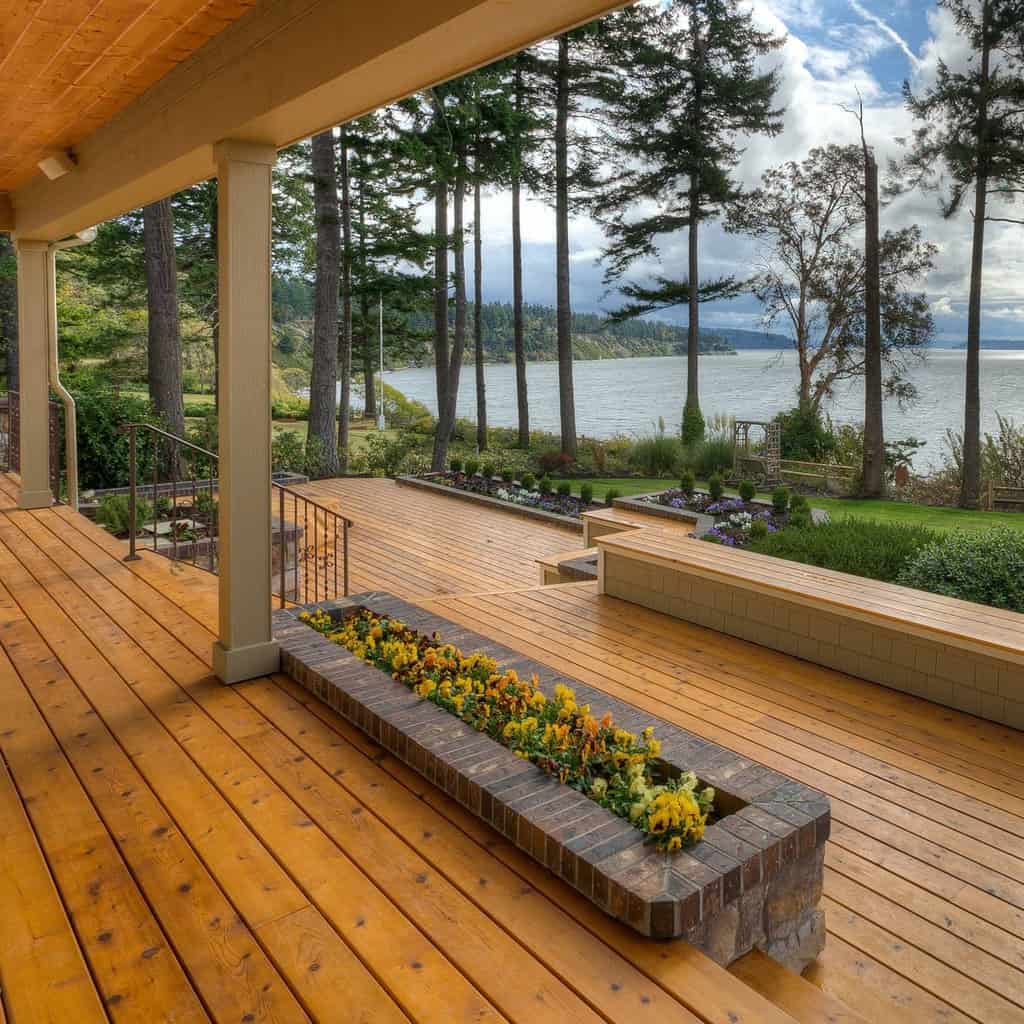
x,y
753,881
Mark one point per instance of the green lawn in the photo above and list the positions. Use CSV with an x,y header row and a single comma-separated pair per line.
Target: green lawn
x,y
883,511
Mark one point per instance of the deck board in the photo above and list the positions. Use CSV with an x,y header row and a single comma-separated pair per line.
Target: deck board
x,y
316,866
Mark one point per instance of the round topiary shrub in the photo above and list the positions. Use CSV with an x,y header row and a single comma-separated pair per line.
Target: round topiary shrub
x,y
797,501
507,476
586,494
455,465
800,517
986,566
488,470
610,495
715,486
747,490
544,486
527,481
472,467
686,481
565,489
780,499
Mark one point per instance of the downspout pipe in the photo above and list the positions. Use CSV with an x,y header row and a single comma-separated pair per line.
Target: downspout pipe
x,y
70,416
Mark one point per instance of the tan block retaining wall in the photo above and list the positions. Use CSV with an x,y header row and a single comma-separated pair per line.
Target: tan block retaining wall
x,y
981,685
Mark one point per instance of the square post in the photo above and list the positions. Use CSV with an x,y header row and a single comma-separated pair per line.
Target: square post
x,y
245,647
35,268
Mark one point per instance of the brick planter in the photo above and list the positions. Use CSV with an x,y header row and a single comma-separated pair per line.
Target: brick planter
x,y
754,880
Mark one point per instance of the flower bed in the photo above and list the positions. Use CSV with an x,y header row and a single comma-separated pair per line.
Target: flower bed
x,y
734,519
752,880
514,493
616,768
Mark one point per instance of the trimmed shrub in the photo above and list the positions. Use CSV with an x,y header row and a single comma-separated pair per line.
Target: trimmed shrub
x,y
586,494
527,481
686,481
805,437
657,455
758,529
986,567
797,501
862,547
507,476
487,470
610,495
544,486
780,499
455,465
747,490
715,486
693,423
801,517
565,489
472,467
113,513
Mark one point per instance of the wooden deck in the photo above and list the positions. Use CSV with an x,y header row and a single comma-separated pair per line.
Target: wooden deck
x,y
173,849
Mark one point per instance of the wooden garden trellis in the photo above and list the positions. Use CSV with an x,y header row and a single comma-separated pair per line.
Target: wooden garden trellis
x,y
757,456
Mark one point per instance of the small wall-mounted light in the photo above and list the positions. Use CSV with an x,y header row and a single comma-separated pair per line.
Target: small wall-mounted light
x,y
57,163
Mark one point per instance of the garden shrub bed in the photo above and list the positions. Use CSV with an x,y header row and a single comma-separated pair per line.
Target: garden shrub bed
x,y
514,492
753,879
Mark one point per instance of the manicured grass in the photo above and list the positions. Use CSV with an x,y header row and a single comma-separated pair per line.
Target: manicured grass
x,y
880,511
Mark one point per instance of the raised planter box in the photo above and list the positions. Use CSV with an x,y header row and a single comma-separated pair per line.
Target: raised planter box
x,y
701,523
754,880
552,518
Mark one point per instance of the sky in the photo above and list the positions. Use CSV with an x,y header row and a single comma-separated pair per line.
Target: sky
x,y
834,49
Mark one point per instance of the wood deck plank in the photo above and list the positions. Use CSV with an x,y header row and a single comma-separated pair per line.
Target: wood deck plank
x,y
923,884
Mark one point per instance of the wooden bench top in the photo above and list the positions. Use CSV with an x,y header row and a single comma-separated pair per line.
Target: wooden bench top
x,y
958,623
634,518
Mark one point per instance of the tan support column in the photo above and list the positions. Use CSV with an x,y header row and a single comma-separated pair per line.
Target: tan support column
x,y
34,267
245,647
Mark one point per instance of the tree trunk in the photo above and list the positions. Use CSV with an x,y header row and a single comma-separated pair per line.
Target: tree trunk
x,y
873,473
321,442
566,397
970,487
215,298
693,419
518,343
478,322
459,282
369,367
441,435
369,378
345,337
164,337
9,309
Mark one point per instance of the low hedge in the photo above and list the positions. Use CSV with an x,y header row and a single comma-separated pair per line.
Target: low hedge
x,y
861,547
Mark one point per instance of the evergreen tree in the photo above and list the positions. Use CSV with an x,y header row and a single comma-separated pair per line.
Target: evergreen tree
x,y
972,125
345,333
687,88
321,441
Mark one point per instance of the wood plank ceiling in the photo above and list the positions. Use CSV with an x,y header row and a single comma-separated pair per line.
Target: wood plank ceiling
x,y
67,66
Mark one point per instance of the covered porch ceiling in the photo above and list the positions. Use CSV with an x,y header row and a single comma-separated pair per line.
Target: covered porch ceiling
x,y
139,92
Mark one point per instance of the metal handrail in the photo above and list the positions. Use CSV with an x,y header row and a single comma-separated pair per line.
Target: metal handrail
x,y
314,566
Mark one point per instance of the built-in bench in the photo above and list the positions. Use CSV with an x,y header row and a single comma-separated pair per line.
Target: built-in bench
x,y
963,655
616,519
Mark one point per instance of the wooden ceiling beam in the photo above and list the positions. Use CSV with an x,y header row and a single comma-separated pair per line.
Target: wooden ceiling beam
x,y
283,72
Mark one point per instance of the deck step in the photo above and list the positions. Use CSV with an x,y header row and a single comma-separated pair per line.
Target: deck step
x,y
795,995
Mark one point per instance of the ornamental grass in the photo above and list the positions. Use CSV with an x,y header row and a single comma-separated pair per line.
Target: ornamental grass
x,y
618,769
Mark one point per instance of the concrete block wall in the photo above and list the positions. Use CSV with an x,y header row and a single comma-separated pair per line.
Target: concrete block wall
x,y
981,685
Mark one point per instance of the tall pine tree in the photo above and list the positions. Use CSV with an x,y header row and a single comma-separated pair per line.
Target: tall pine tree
x,y
972,125
687,90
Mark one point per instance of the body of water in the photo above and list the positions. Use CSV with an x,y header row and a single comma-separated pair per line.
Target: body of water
x,y
627,396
